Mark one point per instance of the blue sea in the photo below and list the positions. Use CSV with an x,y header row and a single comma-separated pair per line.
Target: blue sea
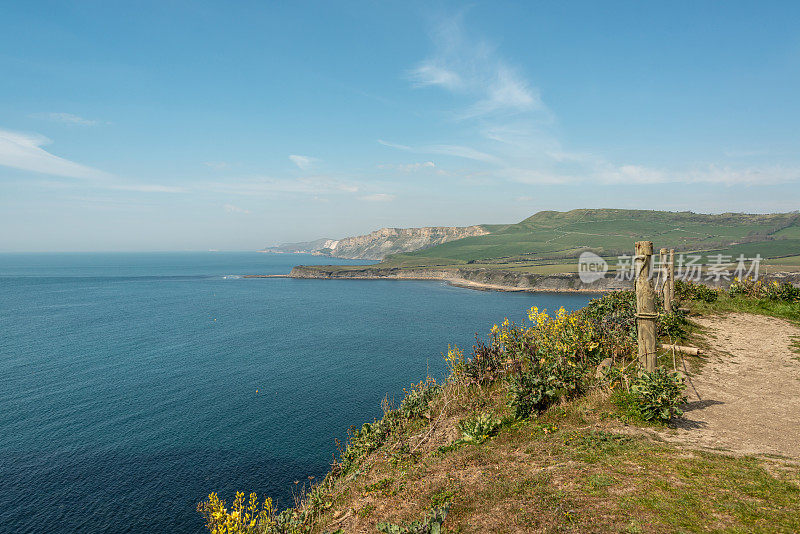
x,y
132,385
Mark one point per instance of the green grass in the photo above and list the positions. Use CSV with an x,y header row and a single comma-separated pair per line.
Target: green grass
x,y
560,235
726,304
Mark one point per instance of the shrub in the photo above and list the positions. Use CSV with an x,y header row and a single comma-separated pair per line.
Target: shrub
x,y
241,519
614,312
418,398
672,324
431,524
785,292
479,428
488,363
745,288
658,395
542,384
688,290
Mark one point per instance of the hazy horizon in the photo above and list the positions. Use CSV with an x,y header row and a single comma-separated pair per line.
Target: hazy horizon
x,y
188,127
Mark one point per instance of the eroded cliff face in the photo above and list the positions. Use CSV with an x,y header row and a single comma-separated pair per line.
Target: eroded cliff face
x,y
475,278
380,243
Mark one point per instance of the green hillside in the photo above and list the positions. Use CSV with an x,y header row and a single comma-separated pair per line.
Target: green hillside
x,y
550,236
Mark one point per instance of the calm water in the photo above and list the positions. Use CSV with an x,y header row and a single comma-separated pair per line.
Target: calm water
x,y
128,381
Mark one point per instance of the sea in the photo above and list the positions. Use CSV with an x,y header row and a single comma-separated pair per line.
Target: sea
x,y
132,385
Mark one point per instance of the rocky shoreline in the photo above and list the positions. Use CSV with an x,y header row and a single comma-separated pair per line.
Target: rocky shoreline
x,y
480,279
483,279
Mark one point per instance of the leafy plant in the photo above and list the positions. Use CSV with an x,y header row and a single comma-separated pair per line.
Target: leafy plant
x,y
782,292
431,524
659,395
672,324
688,290
418,398
243,518
479,428
745,288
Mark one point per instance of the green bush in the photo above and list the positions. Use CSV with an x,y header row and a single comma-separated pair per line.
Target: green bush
x,y
659,395
784,292
687,290
745,288
479,428
672,324
431,524
544,383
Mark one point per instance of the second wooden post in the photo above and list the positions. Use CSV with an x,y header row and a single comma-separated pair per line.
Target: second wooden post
x,y
646,313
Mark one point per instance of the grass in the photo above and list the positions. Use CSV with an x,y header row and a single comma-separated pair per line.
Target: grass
x,y
557,235
726,304
577,479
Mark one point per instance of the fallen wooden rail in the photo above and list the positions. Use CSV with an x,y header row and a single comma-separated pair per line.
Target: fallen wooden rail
x,y
692,351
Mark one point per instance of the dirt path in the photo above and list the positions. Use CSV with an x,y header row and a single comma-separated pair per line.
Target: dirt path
x,y
746,399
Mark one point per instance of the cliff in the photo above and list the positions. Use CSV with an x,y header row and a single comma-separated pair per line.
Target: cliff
x,y
474,278
380,243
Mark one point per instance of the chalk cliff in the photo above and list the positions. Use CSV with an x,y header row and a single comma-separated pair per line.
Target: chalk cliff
x,y
380,243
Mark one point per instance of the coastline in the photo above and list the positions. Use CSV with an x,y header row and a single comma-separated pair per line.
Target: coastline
x,y
476,279
482,279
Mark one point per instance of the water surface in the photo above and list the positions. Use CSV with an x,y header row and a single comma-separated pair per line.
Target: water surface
x,y
132,385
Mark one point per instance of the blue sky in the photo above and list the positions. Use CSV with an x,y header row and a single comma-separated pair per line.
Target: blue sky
x,y
177,125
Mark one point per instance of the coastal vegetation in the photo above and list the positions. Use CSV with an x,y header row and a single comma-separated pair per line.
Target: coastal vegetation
x,y
546,425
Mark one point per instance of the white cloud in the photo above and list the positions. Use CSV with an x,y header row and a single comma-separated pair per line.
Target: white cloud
x,y
68,118
447,150
23,151
302,162
266,186
460,152
394,145
473,68
148,188
428,73
230,208
377,197
409,167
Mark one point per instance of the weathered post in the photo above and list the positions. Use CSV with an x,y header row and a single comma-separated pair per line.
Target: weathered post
x,y
661,284
646,313
671,279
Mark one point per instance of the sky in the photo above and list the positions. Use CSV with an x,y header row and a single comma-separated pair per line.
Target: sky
x,y
176,125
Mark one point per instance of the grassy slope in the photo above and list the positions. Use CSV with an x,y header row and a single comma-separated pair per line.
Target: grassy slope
x,y
578,467
548,237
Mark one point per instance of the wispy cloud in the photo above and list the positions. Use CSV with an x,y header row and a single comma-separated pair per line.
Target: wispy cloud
x,y
147,188
216,165
506,126
473,68
409,167
303,162
230,208
394,145
447,150
711,174
24,151
267,186
461,152
67,118
377,197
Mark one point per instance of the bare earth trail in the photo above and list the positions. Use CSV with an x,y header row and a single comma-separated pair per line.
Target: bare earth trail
x,y
746,399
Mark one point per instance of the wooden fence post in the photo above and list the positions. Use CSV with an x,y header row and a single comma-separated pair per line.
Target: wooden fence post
x,y
671,279
646,313
661,284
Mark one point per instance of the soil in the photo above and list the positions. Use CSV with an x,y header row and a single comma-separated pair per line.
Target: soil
x,y
746,398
